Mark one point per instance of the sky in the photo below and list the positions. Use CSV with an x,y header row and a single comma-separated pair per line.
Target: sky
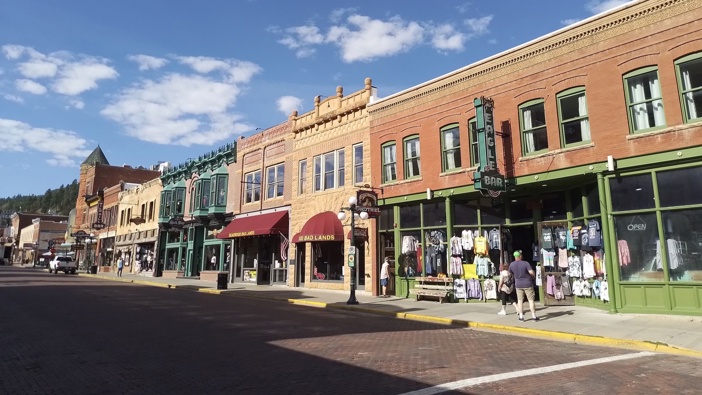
x,y
167,80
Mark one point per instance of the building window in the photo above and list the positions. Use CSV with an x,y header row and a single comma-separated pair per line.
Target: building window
x,y
329,170
341,168
643,95
206,184
358,164
219,190
689,70
151,211
572,112
389,162
473,138
252,191
533,123
302,177
317,173
412,157
275,181
450,148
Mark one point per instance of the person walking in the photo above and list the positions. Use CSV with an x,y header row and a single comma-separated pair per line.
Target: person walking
x,y
506,289
524,283
385,277
120,266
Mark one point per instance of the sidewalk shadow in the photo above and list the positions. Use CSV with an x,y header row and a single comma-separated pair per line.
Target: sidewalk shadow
x,y
556,314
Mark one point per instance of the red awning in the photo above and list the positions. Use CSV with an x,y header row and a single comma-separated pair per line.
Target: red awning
x,y
322,227
255,225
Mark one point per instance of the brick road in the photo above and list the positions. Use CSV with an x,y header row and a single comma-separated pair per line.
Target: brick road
x,y
63,334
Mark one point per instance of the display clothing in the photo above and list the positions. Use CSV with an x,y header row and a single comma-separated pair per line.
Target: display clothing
x,y
474,289
588,266
575,235
561,237
467,240
409,244
574,266
480,245
624,255
563,258
490,289
456,267
538,276
594,234
494,239
604,291
482,265
547,257
456,246
546,238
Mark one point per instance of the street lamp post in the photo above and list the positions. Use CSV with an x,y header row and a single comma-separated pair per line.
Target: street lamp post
x,y
355,212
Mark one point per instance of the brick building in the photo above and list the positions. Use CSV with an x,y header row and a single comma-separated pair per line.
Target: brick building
x,y
260,192
21,221
597,124
331,162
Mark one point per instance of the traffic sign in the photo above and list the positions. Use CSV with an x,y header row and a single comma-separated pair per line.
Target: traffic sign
x,y
352,260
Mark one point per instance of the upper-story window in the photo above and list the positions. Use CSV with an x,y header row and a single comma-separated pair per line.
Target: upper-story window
x,y
253,187
533,125
473,138
389,162
275,181
450,148
574,121
166,197
689,70
358,164
644,100
218,195
412,157
205,198
329,170
178,201
302,177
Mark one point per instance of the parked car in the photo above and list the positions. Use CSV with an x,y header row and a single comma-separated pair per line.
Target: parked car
x,y
65,264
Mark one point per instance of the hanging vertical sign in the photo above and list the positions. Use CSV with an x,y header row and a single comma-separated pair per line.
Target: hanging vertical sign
x,y
487,179
98,224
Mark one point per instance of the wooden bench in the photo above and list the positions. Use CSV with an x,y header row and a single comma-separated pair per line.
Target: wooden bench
x,y
434,287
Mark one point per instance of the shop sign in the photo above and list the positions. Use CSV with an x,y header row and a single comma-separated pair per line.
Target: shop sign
x,y
98,225
487,179
360,233
635,225
318,238
77,247
29,245
99,213
368,202
249,275
80,233
242,234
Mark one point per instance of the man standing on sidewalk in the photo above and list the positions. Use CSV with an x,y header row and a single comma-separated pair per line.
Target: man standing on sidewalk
x,y
524,283
385,277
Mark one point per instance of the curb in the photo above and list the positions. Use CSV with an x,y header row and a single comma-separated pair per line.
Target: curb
x,y
640,345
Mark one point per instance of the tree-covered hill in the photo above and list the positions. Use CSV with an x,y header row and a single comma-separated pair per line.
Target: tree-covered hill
x,y
54,201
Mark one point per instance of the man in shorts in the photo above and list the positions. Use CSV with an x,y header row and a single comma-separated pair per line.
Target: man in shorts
x,y
385,277
524,283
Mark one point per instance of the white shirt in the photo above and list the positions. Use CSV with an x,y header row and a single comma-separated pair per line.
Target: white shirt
x,y
384,273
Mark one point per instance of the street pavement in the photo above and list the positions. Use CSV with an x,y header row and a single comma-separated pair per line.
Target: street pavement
x,y
66,334
646,332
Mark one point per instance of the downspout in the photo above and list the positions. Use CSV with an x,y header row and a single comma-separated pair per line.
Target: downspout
x,y
610,242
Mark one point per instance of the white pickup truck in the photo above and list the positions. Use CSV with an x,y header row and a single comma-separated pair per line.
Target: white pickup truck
x,y
65,264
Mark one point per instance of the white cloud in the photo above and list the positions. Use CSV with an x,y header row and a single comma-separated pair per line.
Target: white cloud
x,y
479,26
567,22
286,104
366,39
301,38
13,98
236,71
184,109
363,39
76,78
70,74
147,62
66,148
75,103
599,6
30,86
339,13
463,8
38,69
446,38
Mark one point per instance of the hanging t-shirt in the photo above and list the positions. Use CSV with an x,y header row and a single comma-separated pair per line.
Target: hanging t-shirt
x,y
594,234
535,252
588,266
467,239
480,245
584,239
575,235
561,237
547,257
547,238
494,239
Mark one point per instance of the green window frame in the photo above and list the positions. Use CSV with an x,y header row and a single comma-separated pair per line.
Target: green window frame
x,y
412,165
389,160
688,70
573,119
532,125
450,147
644,100
219,191
473,139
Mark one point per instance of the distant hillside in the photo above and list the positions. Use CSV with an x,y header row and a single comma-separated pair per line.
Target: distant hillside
x,y
54,201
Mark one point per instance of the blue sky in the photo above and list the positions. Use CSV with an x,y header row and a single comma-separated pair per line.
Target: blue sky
x,y
167,80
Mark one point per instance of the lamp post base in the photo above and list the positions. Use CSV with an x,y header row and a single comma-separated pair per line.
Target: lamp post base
x,y
352,300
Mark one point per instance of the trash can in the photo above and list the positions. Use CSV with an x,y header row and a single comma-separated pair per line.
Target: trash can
x,y
222,280
93,269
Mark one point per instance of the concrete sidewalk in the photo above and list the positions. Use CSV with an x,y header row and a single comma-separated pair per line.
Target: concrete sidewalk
x,y
681,335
